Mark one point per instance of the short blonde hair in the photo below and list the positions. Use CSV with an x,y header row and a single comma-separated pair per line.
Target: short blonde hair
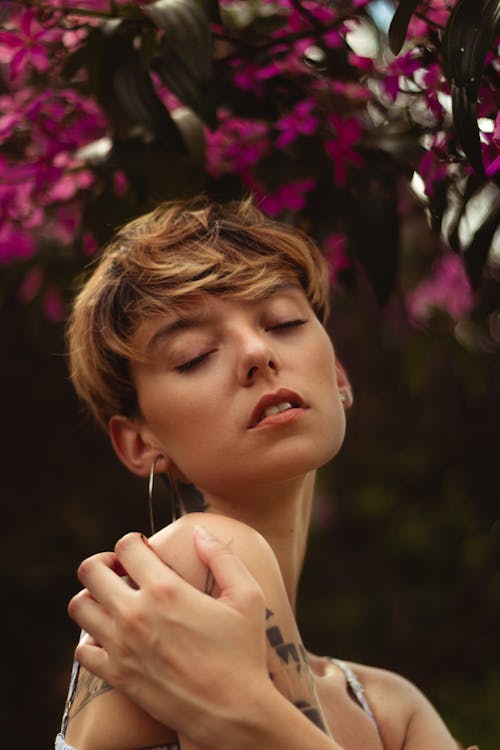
x,y
165,258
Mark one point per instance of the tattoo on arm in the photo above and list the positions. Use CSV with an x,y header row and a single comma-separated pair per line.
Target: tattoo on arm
x,y
295,656
89,687
210,584
312,713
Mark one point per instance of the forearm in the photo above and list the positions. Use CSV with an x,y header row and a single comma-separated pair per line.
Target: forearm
x,y
269,722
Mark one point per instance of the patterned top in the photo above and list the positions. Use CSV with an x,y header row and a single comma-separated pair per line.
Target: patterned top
x,y
351,679
356,687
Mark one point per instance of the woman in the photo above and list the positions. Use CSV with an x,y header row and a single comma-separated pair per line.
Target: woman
x,y
199,343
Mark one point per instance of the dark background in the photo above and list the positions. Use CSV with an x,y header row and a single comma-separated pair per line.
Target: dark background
x,y
403,570
403,565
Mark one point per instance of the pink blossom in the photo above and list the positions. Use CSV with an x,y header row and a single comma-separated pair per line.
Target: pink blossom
x,y
53,305
433,167
289,197
237,144
351,90
246,79
434,82
28,45
402,66
120,183
496,130
89,245
491,150
15,243
340,149
447,289
65,222
323,14
361,63
335,253
300,121
31,285
68,184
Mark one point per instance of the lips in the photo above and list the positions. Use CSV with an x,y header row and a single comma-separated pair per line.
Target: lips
x,y
280,396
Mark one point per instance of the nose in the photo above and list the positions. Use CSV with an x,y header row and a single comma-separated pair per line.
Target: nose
x,y
258,359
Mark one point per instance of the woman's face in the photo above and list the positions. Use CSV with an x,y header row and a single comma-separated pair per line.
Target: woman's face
x,y
238,393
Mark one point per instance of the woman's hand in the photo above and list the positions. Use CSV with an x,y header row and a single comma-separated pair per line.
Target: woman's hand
x,y
189,660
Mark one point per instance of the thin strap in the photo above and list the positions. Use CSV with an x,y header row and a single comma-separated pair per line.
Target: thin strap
x,y
356,687
71,692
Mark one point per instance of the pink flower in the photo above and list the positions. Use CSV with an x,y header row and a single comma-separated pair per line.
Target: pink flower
x,y
434,83
340,149
402,66
300,121
447,289
89,245
28,46
31,285
15,243
236,145
364,64
120,183
433,166
289,197
53,305
335,253
68,184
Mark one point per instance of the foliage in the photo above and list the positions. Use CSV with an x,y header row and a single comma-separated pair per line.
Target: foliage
x,y
109,107
112,106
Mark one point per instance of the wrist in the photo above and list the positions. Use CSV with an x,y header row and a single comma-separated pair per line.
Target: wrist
x,y
263,718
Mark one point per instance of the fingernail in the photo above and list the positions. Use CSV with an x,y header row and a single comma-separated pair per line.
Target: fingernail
x,y
203,533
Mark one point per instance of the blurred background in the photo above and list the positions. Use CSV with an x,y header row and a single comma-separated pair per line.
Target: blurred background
x,y
360,123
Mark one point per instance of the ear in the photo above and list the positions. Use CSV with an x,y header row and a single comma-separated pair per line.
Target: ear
x,y
135,446
344,386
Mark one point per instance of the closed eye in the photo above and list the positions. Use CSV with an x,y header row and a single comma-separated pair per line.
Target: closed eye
x,y
192,363
287,324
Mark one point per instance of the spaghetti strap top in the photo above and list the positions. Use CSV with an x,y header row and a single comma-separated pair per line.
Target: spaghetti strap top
x,y
356,687
60,742
351,679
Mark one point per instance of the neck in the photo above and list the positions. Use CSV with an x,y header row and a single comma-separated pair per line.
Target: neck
x,y
281,514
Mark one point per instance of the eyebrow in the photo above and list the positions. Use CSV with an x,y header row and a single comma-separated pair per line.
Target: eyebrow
x,y
189,320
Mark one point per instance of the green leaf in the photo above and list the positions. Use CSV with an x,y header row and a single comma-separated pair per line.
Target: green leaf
x,y
399,24
184,61
125,90
470,33
472,184
477,253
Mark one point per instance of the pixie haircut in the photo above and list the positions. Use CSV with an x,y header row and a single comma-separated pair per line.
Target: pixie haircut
x,y
161,261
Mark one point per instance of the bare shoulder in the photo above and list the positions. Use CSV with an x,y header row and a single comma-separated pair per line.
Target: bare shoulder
x,y
406,718
175,546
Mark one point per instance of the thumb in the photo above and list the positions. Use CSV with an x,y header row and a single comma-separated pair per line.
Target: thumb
x,y
230,572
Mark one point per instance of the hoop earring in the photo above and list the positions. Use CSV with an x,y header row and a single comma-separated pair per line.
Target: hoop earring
x,y
150,492
178,507
176,501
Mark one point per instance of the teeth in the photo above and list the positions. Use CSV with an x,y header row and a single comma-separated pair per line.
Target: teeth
x,y
277,408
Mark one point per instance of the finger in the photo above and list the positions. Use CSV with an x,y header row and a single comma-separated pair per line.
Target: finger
x,y
142,563
90,616
97,574
94,658
228,569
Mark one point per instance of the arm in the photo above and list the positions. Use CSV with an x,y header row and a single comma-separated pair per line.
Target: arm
x,y
206,659
145,633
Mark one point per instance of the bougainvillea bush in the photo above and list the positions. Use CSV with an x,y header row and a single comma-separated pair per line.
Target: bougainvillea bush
x,y
111,106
